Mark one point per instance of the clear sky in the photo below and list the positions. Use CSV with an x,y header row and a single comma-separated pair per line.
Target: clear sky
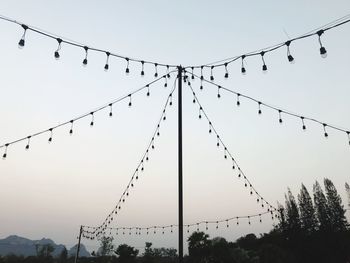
x,y
50,190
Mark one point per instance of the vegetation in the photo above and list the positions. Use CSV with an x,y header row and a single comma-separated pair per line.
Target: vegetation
x,y
310,229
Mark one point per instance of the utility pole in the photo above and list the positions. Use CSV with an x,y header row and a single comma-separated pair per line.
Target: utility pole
x,y
179,79
78,248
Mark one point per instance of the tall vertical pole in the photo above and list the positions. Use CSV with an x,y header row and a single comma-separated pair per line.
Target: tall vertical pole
x,y
78,248
179,79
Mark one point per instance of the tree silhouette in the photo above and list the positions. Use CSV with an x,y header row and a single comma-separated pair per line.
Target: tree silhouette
x,y
106,246
347,188
198,247
321,207
335,207
307,211
127,254
292,215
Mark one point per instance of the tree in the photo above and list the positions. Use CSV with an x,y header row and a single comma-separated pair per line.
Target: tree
x,y
292,214
106,246
347,188
126,253
198,247
307,211
335,207
63,255
321,207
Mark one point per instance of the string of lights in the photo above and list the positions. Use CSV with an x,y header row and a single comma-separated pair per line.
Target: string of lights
x,y
88,231
279,111
228,156
319,32
91,114
222,63
86,49
139,168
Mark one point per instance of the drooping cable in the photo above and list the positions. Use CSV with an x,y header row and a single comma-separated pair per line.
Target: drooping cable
x,y
139,168
247,183
279,111
261,52
86,115
89,231
66,41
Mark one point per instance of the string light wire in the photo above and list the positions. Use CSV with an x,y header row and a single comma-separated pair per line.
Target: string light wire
x,y
72,121
90,230
139,168
77,44
280,111
227,153
224,62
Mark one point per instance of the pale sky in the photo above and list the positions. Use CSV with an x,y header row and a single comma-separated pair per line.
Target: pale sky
x,y
50,190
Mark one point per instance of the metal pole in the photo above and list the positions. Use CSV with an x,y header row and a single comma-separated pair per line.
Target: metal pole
x,y
78,248
179,79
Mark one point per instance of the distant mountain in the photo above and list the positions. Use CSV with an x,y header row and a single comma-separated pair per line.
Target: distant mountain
x,y
23,246
82,253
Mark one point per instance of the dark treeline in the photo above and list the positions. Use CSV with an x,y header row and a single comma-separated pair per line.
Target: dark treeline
x,y
311,228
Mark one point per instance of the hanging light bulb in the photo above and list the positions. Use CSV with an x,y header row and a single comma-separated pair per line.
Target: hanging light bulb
x,y
302,120
164,115
218,141
92,119
85,61
107,60
165,82
348,133
194,97
233,164
243,70
226,71
167,71
210,127
28,142
57,54
289,56
219,95
202,77
323,51
21,42
110,110
238,102
280,117
127,70
148,91
237,221
156,70
206,225
324,129
259,111
211,73
264,67
142,68
227,225
71,127
192,75
200,112
130,104
171,99
4,156
249,220
51,134
201,86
